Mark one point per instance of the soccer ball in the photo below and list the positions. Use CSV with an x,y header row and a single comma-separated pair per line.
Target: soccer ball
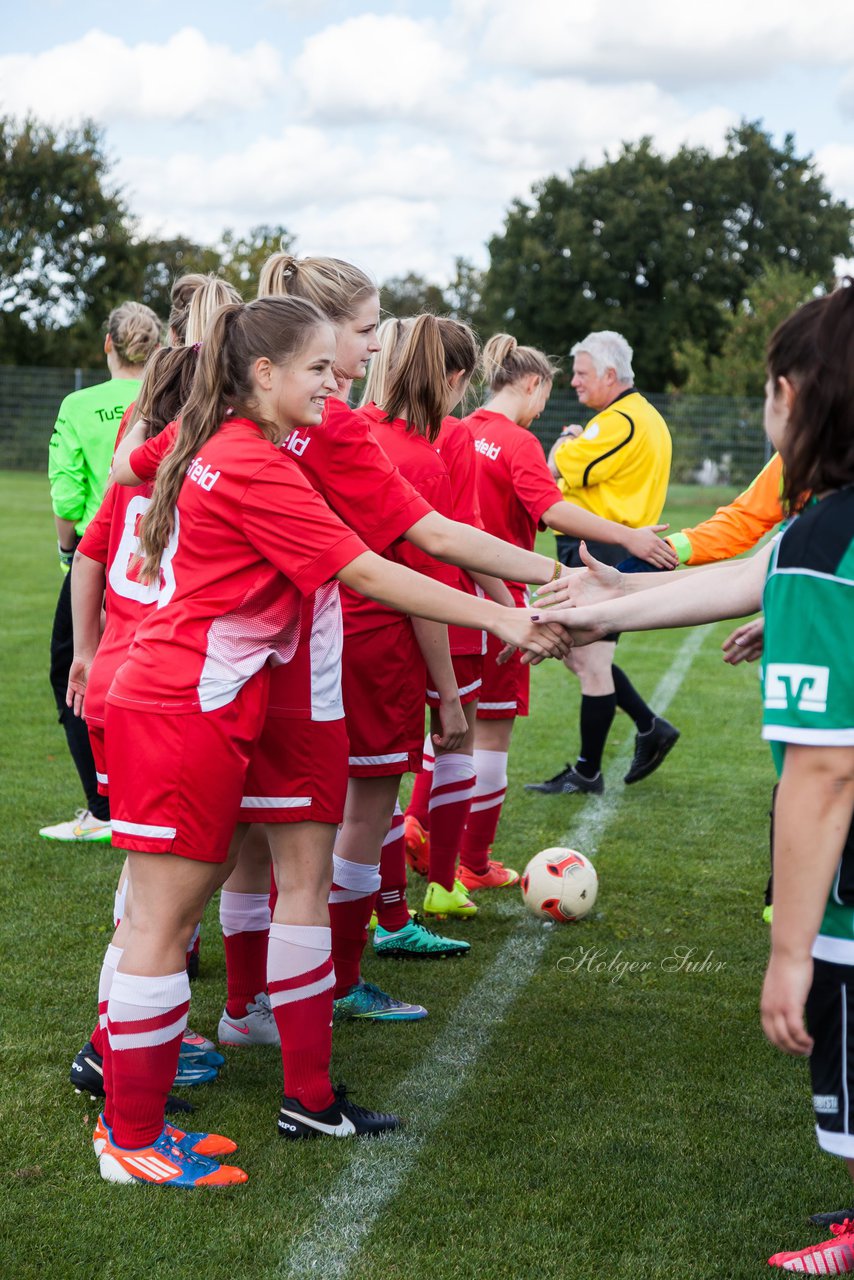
x,y
560,884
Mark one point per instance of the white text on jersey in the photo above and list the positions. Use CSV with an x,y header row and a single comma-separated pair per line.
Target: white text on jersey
x,y
491,450
297,444
202,475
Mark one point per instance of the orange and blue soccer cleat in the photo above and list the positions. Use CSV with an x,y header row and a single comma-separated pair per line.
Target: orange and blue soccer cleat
x,y
164,1164
195,1144
416,844
833,1257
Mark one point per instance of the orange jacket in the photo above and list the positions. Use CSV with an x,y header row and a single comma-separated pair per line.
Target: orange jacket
x,y
740,525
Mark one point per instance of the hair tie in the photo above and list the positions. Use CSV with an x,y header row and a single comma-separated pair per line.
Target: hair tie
x,y
197,346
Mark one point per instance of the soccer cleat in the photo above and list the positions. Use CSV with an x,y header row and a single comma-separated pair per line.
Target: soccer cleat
x,y
568,782
416,942
195,1144
651,748
364,1002
84,826
194,1041
834,1257
257,1026
834,1216
374,920
87,1076
194,1072
442,903
164,1164
768,913
341,1119
416,843
496,876
195,1058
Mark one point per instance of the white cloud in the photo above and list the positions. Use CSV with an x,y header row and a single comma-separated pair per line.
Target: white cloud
x,y
373,67
668,41
101,76
836,162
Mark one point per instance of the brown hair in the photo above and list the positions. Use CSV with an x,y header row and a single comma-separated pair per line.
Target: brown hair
x,y
169,373
181,296
418,387
504,363
237,336
185,320
814,349
335,287
389,336
134,332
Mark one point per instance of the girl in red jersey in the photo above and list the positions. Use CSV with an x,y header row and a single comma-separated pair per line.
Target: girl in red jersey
x,y
105,575
186,708
517,494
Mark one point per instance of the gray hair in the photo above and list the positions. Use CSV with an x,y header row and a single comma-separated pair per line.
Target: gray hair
x,y
608,350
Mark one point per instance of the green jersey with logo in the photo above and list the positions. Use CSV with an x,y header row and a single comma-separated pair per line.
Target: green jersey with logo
x,y
808,667
82,445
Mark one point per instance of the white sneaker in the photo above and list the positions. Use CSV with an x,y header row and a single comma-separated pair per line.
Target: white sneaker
x,y
83,826
258,1026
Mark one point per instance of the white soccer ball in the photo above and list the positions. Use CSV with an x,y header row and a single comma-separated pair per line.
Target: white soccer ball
x,y
560,884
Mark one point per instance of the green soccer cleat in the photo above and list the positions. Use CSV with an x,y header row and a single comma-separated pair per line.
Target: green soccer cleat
x,y
448,902
768,913
364,1002
416,942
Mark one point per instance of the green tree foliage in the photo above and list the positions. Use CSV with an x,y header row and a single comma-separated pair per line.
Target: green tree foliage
x,y
410,295
662,250
739,368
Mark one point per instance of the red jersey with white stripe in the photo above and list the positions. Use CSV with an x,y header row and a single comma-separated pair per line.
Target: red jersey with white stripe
x,y
418,462
251,537
514,484
112,538
456,449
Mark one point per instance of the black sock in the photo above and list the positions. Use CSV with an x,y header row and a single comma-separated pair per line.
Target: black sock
x,y
77,736
597,715
630,701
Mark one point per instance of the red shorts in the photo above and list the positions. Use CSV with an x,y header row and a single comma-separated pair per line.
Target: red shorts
x,y
468,669
505,690
298,772
176,781
99,754
384,678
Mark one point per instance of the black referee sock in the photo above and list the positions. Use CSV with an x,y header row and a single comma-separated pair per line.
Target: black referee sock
x,y
597,715
630,701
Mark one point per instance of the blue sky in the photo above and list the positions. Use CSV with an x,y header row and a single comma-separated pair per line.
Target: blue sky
x,y
397,134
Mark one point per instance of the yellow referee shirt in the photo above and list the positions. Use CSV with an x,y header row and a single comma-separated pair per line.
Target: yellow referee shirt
x,y
619,467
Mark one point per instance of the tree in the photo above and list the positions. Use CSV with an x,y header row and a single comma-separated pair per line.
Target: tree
x,y
63,230
660,249
739,368
410,295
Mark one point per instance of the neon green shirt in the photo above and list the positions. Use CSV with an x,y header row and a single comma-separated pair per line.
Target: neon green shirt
x,y
82,445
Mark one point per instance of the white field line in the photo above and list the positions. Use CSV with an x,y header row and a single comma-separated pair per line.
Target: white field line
x,y
379,1166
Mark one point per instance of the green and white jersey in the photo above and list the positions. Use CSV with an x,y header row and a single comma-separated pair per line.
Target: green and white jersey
x,y
808,667
82,446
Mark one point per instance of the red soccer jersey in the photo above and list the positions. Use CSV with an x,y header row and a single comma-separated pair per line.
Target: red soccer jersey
x,y
456,449
418,462
344,463
112,538
251,537
514,484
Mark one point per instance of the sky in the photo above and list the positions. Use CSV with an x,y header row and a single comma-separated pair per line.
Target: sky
x,y
397,134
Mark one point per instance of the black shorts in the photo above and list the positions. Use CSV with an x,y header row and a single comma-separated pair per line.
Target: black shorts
x,y
607,552
830,1022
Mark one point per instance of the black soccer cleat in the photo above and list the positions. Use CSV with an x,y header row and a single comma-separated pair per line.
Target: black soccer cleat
x,y
87,1076
651,748
569,782
343,1119
832,1217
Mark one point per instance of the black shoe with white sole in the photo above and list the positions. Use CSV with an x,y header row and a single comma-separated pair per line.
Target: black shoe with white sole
x,y
831,1218
87,1076
343,1119
569,782
651,748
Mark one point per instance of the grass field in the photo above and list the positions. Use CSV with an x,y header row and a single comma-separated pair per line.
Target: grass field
x,y
564,1118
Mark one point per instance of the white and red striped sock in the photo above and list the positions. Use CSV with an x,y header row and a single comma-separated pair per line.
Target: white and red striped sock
x,y
419,802
100,1039
450,801
245,921
351,901
300,980
489,792
392,909
146,1020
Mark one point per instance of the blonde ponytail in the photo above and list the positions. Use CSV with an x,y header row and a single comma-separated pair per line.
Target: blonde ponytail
x,y
504,363
418,388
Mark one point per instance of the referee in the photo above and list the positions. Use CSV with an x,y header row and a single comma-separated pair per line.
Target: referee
x,y
618,467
